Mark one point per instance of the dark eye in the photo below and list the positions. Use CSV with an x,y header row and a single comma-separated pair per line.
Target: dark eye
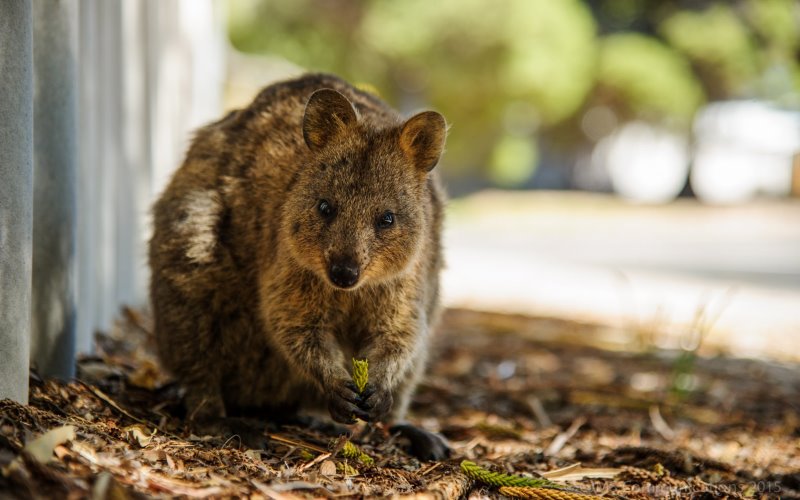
x,y
385,220
325,209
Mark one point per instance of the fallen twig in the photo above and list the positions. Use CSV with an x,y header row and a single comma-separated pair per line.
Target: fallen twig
x,y
298,443
560,440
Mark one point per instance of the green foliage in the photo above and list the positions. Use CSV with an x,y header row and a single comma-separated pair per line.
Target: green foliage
x,y
319,42
534,49
485,476
507,73
346,469
513,161
470,61
778,22
718,41
652,80
458,56
680,385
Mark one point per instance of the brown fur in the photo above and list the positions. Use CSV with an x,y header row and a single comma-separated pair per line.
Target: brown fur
x,y
245,314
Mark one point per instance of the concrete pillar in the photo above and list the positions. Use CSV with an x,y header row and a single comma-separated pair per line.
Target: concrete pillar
x,y
16,195
55,160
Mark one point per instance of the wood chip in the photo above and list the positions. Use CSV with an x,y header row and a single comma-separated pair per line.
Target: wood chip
x,y
327,468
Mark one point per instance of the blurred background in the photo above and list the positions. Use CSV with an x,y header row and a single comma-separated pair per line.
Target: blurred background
x,y
627,162
616,96
632,163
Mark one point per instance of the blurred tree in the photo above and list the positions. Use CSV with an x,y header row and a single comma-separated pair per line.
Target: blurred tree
x,y
310,33
776,24
506,73
467,58
478,63
643,78
719,44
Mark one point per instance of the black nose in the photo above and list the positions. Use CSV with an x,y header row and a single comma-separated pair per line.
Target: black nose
x,y
343,273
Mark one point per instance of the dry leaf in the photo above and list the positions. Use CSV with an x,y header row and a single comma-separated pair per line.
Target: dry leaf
x,y
140,434
43,446
184,488
154,455
61,451
107,488
295,485
576,472
146,375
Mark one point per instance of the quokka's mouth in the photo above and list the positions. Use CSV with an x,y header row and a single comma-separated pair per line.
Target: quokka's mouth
x,y
344,285
340,287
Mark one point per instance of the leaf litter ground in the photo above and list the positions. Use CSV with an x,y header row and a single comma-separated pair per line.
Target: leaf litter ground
x,y
535,397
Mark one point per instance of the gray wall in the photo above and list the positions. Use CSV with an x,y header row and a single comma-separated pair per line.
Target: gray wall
x,y
16,194
119,85
55,48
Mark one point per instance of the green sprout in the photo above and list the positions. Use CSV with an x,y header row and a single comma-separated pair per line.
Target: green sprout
x,y
349,450
360,373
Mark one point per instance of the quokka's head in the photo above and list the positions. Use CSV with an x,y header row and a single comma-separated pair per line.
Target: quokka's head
x,y
359,208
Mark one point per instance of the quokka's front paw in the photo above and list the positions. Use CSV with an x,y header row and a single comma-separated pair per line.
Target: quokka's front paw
x,y
343,403
376,401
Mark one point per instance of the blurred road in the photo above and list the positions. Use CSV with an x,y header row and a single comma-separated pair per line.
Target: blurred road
x,y
731,271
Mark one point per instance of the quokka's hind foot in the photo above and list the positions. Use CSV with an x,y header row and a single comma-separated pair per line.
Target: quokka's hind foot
x,y
425,445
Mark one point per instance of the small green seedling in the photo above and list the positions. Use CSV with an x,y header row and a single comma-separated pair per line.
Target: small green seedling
x,y
349,450
360,373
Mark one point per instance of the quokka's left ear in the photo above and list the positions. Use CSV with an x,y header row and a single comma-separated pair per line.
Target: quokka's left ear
x,y
328,115
422,139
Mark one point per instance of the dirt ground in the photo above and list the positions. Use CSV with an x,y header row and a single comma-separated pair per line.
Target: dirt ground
x,y
533,397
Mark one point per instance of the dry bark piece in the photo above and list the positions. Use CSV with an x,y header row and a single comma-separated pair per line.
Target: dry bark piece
x,y
327,468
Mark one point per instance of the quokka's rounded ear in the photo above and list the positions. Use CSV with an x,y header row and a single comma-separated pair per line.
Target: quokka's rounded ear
x,y
328,114
422,139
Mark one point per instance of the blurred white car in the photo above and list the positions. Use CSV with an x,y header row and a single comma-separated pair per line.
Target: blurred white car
x,y
739,150
743,149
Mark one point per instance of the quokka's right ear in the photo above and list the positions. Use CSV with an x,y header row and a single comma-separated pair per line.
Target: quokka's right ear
x,y
422,139
328,114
